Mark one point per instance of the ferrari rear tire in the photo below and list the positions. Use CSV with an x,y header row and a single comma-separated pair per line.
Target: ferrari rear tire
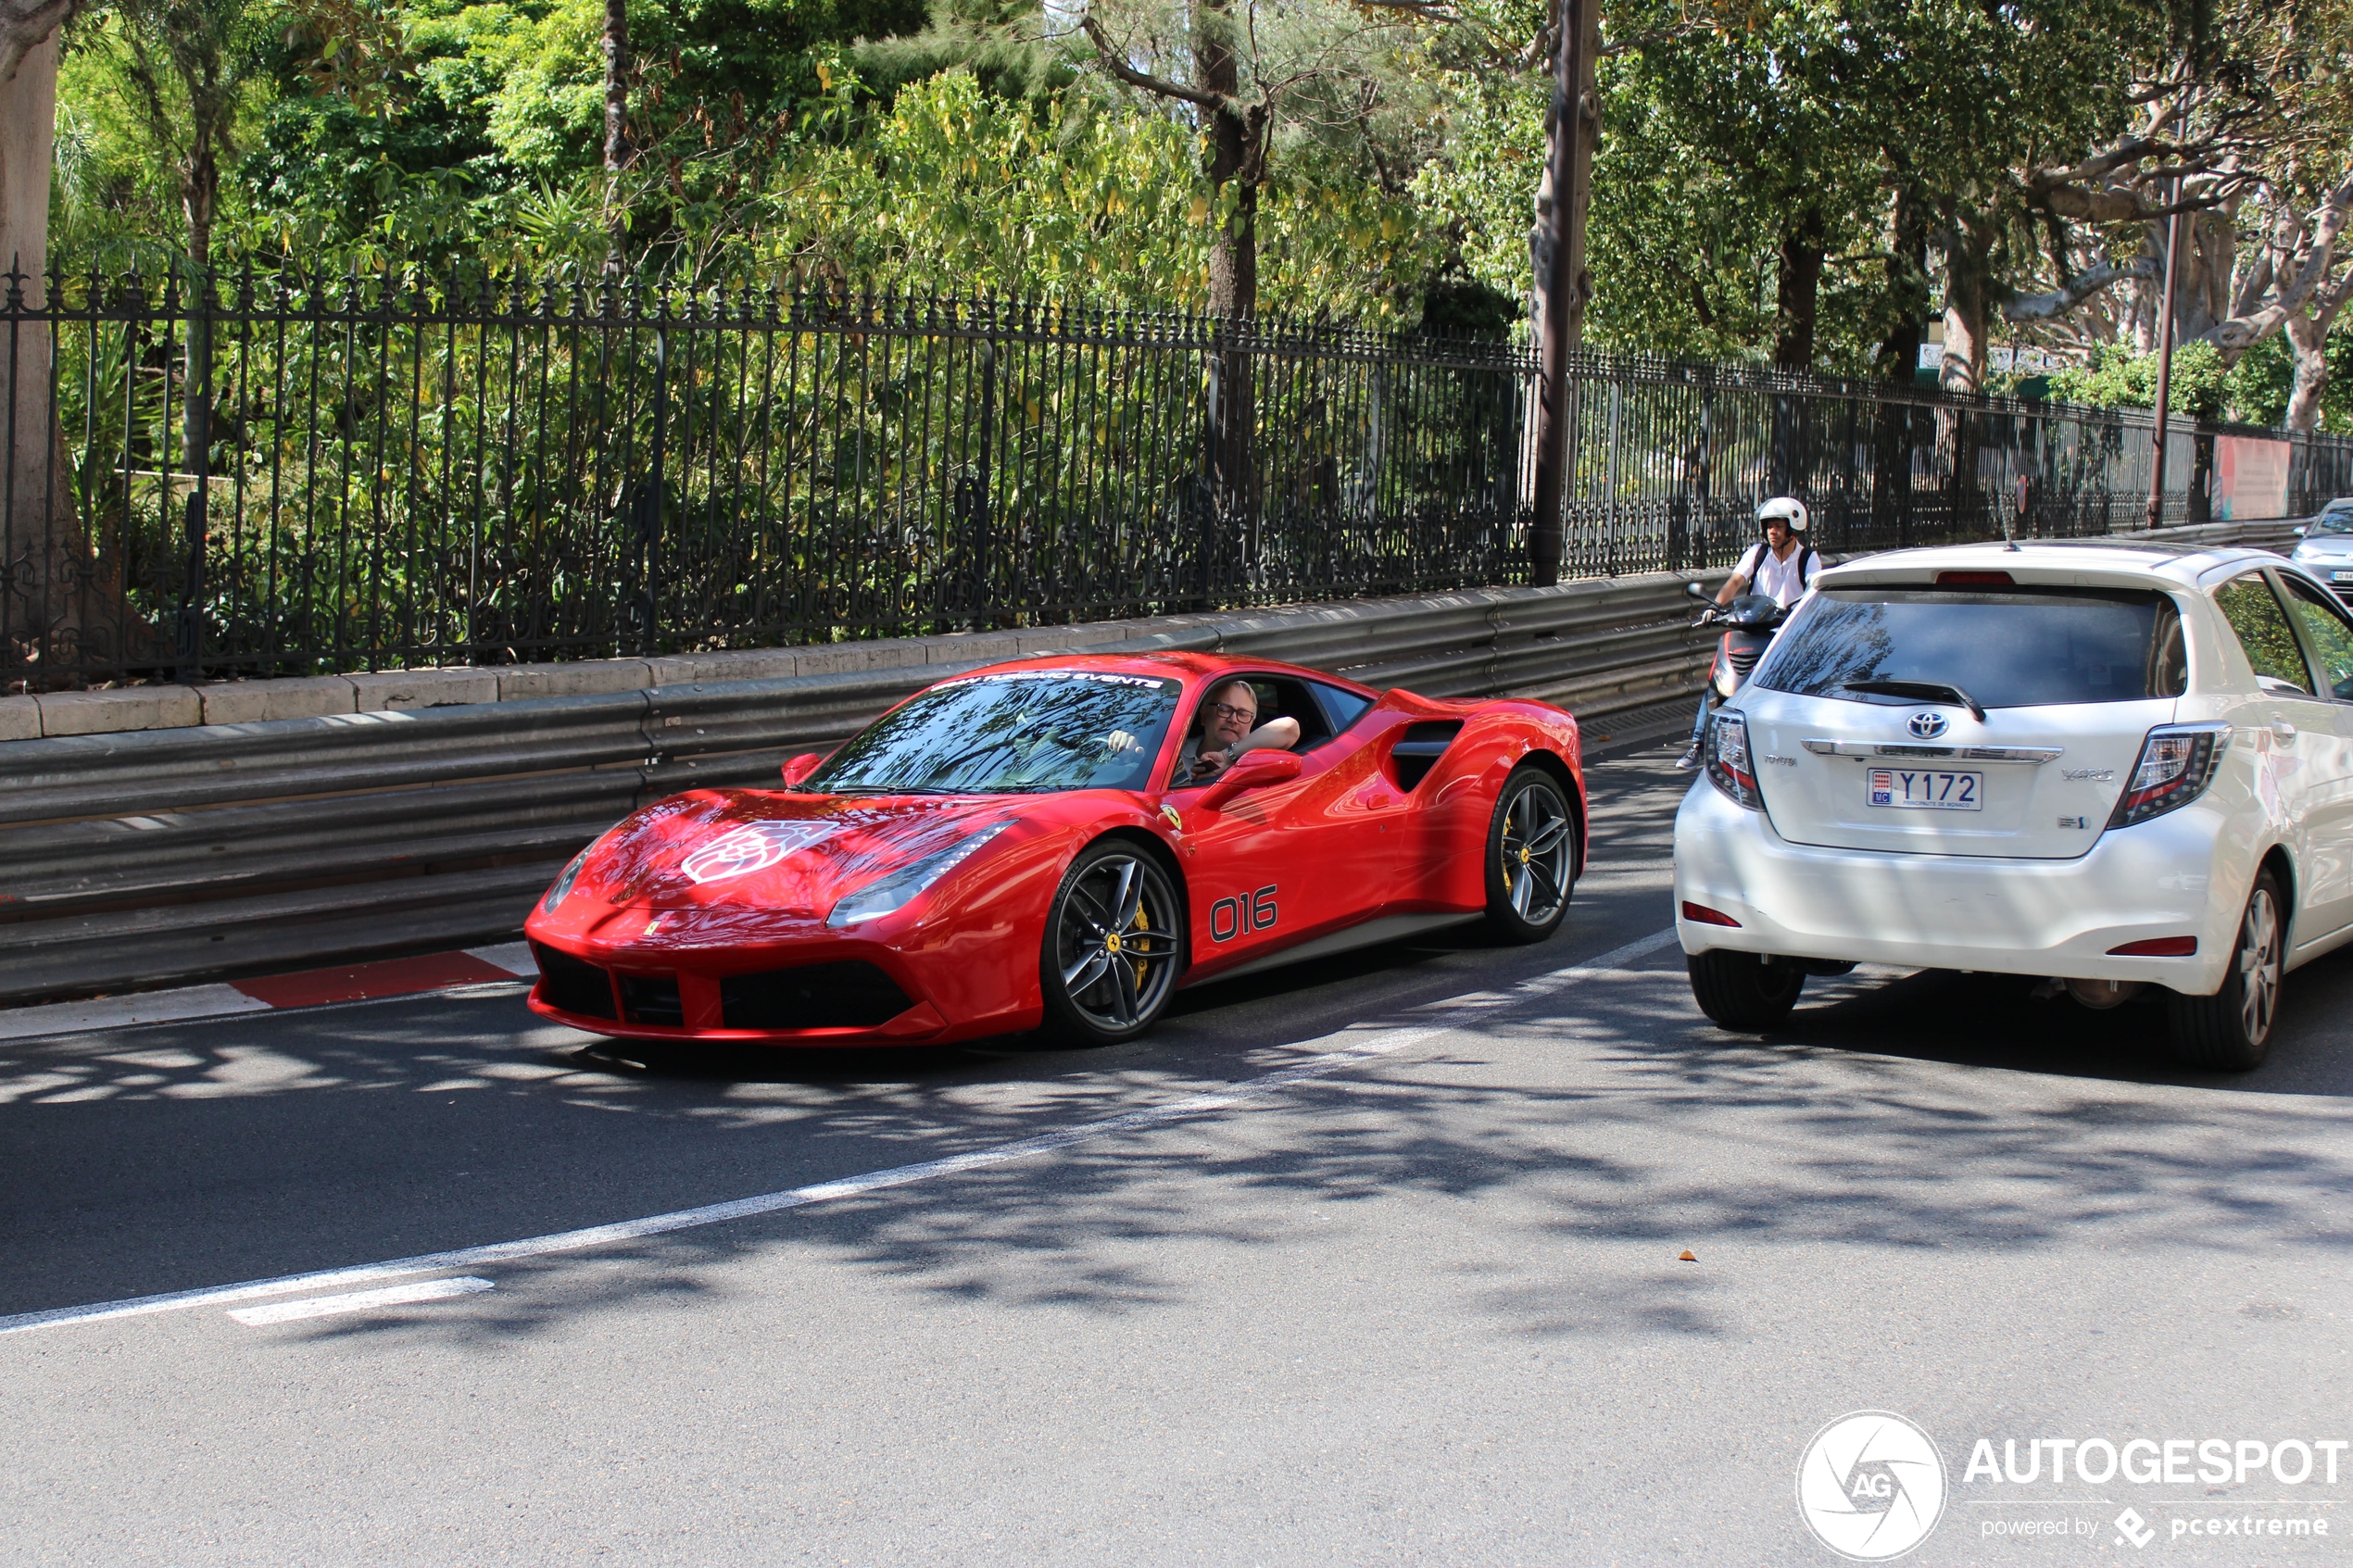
x,y
1746,992
2231,1030
1114,945
1532,857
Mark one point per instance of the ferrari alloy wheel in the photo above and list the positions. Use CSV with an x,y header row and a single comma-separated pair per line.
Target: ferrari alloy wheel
x,y
1532,857
1115,946
2231,1030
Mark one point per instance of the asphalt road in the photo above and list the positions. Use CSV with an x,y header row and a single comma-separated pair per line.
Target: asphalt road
x,y
1420,1305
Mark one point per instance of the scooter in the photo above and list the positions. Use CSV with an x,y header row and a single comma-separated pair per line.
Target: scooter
x,y
1749,623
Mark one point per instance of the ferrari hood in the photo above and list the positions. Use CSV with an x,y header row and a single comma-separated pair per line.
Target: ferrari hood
x,y
771,851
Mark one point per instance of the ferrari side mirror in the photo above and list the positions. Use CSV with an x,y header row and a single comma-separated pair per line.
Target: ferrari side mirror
x,y
800,768
1252,770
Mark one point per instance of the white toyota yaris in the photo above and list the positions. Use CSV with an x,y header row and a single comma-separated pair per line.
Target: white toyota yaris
x,y
2115,765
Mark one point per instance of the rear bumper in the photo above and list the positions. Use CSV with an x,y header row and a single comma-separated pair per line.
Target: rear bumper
x,y
2170,877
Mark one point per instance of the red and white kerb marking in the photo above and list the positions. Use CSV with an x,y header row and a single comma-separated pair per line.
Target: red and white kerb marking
x,y
312,987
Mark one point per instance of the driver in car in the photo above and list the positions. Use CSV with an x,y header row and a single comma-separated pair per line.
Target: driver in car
x,y
1228,726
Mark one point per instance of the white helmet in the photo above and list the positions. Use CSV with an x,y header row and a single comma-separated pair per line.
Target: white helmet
x,y
1789,509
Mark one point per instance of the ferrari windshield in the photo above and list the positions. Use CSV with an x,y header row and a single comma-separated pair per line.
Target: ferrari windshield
x,y
1025,732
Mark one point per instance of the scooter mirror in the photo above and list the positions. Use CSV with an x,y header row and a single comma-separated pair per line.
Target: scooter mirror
x,y
1697,591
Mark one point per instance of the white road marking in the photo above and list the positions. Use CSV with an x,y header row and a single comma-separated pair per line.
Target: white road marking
x,y
513,956
1355,1046
114,1013
361,1300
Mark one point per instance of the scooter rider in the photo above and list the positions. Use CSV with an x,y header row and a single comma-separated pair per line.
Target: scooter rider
x,y
1782,565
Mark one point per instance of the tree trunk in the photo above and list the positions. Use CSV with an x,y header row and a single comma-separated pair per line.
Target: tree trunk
x,y
1965,312
617,150
1233,298
1562,284
1233,260
2308,343
27,117
45,601
1906,267
198,200
1799,292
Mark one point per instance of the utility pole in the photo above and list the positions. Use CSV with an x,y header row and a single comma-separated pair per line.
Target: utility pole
x,y
2165,307
1557,246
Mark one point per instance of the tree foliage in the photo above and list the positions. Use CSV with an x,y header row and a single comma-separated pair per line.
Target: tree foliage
x,y
1810,183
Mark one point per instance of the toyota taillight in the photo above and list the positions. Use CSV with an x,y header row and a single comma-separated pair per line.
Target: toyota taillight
x,y
1728,767
2176,764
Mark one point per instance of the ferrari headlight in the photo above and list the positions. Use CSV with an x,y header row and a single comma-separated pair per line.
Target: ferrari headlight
x,y
562,888
902,887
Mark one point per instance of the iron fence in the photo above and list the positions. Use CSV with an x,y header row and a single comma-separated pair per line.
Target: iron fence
x,y
281,474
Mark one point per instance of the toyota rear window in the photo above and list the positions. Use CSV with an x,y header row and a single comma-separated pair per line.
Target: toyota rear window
x,y
2011,648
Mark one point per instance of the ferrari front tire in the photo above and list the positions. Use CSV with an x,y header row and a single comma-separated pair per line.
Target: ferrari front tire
x,y
1115,946
1532,857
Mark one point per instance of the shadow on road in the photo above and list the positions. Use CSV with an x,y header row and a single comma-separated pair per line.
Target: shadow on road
x,y
1933,1110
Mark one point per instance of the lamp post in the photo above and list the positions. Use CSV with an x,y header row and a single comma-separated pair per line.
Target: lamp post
x,y
2165,358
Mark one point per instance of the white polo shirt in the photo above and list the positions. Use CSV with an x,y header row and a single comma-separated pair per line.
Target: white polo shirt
x,y
1784,579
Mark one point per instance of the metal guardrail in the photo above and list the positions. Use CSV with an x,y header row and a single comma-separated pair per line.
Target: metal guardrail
x,y
166,856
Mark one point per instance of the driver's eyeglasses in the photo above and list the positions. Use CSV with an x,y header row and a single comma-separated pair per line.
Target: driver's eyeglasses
x,y
1230,711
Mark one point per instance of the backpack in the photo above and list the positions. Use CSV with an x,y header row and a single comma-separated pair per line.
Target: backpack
x,y
1754,562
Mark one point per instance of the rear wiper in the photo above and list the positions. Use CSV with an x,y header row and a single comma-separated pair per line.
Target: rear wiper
x,y
1925,691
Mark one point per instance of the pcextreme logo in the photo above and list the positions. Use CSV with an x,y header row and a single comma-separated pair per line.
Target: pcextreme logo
x,y
1871,1486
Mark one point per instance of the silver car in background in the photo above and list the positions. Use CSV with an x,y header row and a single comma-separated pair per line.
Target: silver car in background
x,y
2326,548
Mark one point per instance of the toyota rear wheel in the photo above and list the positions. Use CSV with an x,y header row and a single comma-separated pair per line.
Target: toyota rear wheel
x,y
1115,946
1746,992
2231,1030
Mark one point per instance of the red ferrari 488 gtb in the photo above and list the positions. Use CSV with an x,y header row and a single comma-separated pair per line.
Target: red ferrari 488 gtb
x,y
1035,845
